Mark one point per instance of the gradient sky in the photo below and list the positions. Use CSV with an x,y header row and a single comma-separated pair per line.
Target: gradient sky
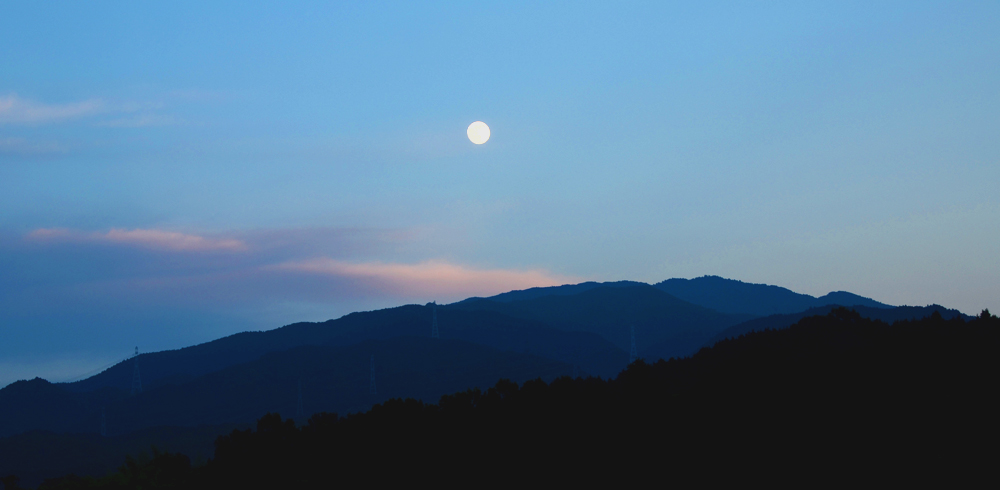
x,y
177,172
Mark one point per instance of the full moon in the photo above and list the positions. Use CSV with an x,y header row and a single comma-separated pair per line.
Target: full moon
x,y
478,132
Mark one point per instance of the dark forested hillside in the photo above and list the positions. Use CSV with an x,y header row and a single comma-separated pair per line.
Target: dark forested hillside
x,y
539,333
888,315
38,455
491,329
332,378
830,400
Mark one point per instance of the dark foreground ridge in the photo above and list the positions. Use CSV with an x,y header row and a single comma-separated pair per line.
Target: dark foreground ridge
x,y
831,399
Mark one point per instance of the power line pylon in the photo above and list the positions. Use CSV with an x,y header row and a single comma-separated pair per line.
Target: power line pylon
x,y
435,334
633,355
371,387
136,379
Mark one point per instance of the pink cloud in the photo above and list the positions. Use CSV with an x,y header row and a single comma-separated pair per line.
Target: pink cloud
x,y
435,277
274,267
151,239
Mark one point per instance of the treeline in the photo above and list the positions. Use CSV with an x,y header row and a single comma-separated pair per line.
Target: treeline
x,y
833,399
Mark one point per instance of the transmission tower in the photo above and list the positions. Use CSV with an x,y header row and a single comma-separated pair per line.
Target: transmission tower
x,y
136,379
434,322
633,355
371,387
104,423
299,413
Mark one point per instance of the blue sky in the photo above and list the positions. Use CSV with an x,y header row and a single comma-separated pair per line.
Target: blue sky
x,y
171,173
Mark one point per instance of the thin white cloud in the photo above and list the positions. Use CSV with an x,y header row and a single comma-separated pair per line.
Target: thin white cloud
x,y
148,238
140,121
15,110
435,277
169,240
25,148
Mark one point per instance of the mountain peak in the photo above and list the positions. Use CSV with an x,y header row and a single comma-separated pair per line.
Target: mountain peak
x,y
733,296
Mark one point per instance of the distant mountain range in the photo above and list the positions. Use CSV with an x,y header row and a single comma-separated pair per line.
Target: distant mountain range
x,y
829,387
664,325
594,354
889,315
714,292
582,329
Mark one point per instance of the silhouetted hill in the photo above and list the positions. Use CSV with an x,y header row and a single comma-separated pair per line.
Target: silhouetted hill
x,y
717,293
659,318
664,327
731,296
849,300
589,351
20,402
888,315
37,404
333,378
834,399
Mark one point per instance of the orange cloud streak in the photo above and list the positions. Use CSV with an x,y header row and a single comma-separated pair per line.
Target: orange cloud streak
x,y
430,277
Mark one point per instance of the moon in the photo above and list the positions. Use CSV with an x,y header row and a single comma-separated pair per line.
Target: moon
x,y
478,132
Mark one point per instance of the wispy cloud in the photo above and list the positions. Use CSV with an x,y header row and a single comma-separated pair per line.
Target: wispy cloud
x,y
437,277
116,114
175,287
15,110
143,238
332,266
25,148
169,240
140,121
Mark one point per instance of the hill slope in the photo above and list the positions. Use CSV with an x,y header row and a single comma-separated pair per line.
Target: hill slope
x,y
833,398
333,378
664,326
593,354
731,296
660,320
888,315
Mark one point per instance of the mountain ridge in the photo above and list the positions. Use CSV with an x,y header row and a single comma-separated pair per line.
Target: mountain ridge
x,y
735,297
611,312
778,322
412,320
332,378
